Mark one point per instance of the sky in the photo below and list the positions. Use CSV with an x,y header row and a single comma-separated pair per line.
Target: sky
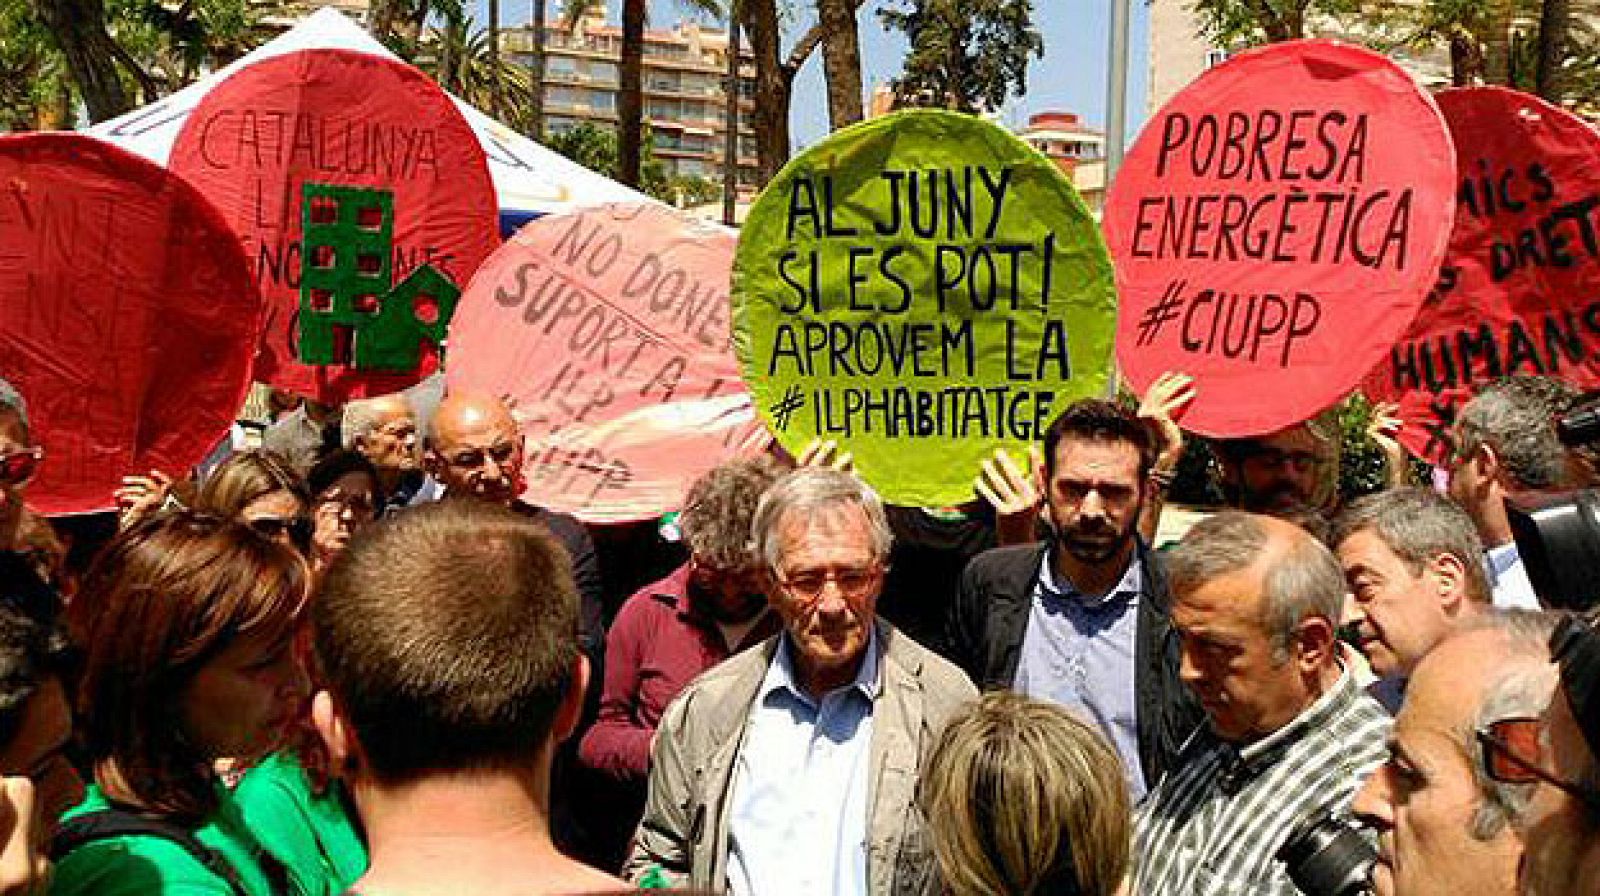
x,y
1071,77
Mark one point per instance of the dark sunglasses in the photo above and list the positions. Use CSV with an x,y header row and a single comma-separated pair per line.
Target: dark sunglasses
x,y
298,528
18,467
1510,747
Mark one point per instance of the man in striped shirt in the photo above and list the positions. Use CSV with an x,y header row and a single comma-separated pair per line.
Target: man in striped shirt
x,y
1289,733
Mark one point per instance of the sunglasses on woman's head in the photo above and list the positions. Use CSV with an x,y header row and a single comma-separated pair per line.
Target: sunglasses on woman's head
x,y
298,527
18,467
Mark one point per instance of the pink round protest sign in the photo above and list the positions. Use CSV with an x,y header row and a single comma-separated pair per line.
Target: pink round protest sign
x,y
1275,229
130,319
349,178
1519,292
609,329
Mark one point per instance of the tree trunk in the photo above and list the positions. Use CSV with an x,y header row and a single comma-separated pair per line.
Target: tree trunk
x,y
730,151
495,98
1497,43
1466,60
630,93
79,28
769,118
536,64
384,13
841,61
1555,20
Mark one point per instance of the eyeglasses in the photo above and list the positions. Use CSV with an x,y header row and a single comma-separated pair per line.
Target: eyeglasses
x,y
1510,748
297,527
1299,461
18,467
359,504
852,581
474,458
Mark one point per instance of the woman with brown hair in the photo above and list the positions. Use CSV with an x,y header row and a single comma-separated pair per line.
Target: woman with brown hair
x,y
261,490
188,625
1022,799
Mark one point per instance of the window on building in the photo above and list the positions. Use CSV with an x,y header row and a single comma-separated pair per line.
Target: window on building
x,y
564,96
657,108
555,125
603,71
1216,57
560,67
603,100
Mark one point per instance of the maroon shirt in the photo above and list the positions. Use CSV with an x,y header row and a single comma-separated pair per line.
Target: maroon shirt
x,y
658,643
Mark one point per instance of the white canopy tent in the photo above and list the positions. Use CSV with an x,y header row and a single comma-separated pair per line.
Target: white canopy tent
x,y
531,180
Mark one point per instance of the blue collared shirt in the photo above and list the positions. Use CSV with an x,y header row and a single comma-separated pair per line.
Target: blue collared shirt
x,y
1508,580
798,819
1079,652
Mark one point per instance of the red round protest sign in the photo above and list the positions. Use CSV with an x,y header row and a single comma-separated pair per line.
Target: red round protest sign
x,y
609,327
130,316
1275,229
398,186
1519,292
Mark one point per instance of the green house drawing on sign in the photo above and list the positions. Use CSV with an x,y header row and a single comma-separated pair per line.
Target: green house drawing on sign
x,y
350,314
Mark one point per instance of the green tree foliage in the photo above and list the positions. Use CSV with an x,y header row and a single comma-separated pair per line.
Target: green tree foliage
x,y
457,56
595,148
965,54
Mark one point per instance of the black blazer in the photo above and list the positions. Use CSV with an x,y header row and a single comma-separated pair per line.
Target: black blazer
x,y
990,617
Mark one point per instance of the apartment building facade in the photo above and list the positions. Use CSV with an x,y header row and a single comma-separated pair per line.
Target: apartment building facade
x,y
685,102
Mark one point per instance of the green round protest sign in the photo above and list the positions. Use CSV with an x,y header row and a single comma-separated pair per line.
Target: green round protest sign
x,y
923,288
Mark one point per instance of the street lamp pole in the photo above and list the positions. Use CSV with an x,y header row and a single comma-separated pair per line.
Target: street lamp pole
x,y
1117,89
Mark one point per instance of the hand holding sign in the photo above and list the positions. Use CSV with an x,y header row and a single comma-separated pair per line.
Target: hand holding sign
x,y
923,288
1276,227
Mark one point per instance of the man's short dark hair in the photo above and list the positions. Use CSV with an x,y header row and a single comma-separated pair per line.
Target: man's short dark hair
x,y
1095,420
448,637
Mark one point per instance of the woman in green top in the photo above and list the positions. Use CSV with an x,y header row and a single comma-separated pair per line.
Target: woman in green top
x,y
187,622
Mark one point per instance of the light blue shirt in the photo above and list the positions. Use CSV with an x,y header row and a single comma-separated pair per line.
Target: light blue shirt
x,y
1079,652
1508,579
798,819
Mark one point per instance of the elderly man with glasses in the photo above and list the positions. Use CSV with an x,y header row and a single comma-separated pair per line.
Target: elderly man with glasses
x,y
791,768
1451,801
1561,751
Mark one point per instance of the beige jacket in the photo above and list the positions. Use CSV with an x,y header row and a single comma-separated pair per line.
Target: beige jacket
x,y
684,834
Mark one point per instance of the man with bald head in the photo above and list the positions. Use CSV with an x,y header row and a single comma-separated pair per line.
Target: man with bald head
x,y
475,449
1445,824
1290,734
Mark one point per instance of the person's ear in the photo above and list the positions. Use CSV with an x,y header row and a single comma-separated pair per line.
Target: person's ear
x,y
333,731
1490,465
571,709
1315,641
1450,575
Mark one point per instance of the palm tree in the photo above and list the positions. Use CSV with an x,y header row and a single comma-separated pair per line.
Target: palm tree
x,y
841,61
460,63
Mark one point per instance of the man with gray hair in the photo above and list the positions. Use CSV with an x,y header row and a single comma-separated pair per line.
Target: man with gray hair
x,y
384,431
1290,734
791,768
1505,443
1415,570
1447,819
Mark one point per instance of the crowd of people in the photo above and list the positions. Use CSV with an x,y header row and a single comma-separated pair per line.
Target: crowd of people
x,y
361,659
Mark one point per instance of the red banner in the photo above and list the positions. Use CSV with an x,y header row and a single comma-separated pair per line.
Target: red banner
x,y
609,328
1275,229
1519,291
130,317
335,120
